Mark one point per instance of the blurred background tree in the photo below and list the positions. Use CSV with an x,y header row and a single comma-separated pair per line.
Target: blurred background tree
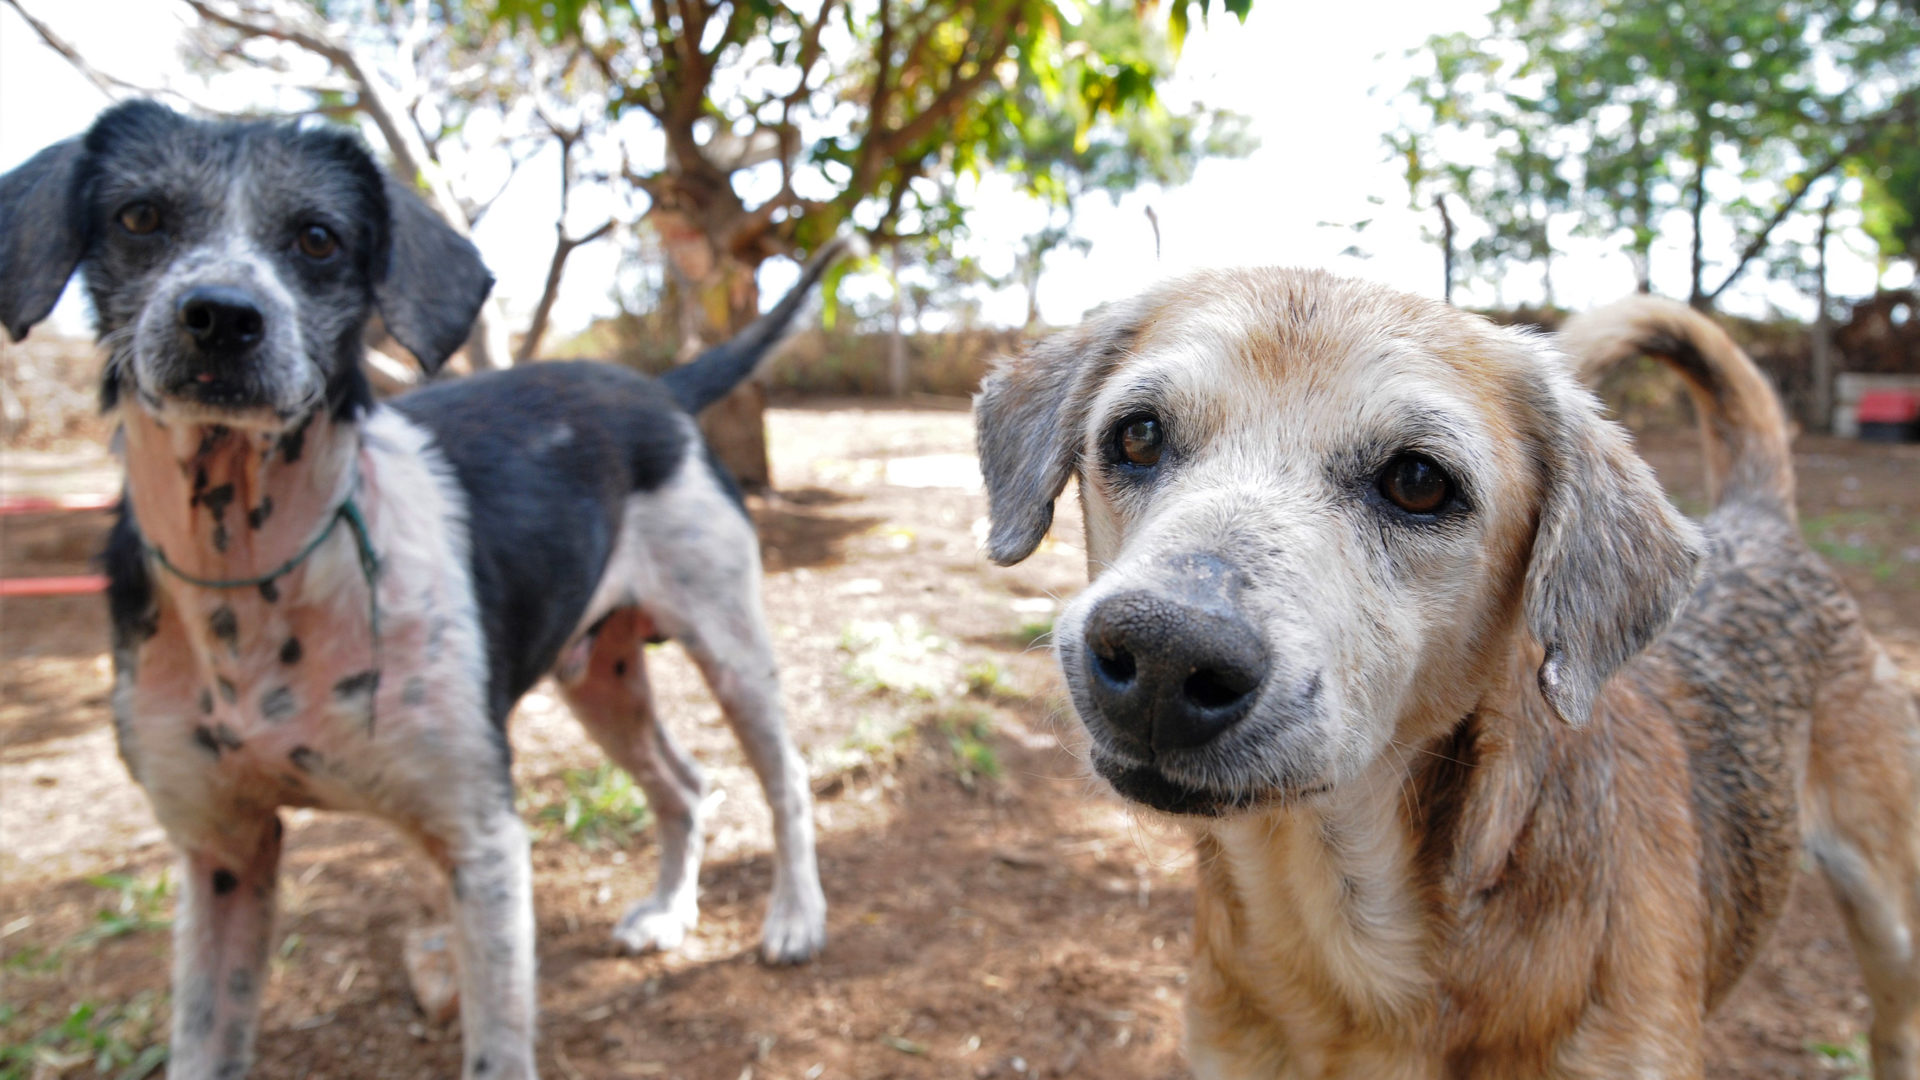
x,y
781,125
1608,117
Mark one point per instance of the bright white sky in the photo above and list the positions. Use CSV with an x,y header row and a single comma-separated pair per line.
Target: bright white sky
x,y
1307,75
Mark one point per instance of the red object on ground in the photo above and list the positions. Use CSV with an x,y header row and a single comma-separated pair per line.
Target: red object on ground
x,y
1889,407
24,504
78,585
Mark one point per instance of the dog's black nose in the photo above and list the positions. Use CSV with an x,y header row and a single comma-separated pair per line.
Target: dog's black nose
x,y
221,320
1170,675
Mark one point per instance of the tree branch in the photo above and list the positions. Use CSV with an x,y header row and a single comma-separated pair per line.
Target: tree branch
x,y
113,87
1902,108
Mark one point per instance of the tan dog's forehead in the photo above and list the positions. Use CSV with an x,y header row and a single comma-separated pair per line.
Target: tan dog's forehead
x,y
1317,360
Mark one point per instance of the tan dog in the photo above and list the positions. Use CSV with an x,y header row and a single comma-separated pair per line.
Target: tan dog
x,y
1498,766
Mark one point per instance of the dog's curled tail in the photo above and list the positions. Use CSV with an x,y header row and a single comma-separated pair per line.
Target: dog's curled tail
x,y
709,377
1741,422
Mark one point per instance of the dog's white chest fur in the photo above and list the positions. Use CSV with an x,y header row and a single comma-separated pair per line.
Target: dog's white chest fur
x,y
251,697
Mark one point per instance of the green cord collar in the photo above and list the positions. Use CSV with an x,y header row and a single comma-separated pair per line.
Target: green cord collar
x,y
349,512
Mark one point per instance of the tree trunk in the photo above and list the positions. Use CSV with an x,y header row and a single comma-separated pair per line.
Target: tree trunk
x,y
721,297
1820,364
1697,291
1446,248
897,341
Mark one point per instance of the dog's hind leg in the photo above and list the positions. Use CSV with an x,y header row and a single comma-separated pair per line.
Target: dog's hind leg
x,y
221,932
1863,776
727,637
611,697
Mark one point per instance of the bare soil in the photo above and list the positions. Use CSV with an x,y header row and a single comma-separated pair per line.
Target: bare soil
x,y
994,914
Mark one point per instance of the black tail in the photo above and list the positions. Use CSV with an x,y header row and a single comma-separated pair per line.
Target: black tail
x,y
710,376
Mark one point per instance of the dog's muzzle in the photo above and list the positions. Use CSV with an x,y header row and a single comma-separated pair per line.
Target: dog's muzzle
x,y
220,331
1169,670
1166,674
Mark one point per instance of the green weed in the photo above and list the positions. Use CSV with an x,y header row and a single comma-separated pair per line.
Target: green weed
x,y
601,805
122,1043
1849,1059
965,732
139,906
874,741
901,657
1034,632
987,679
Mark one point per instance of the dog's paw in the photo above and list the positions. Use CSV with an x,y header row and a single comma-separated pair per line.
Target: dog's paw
x,y
796,928
654,927
432,973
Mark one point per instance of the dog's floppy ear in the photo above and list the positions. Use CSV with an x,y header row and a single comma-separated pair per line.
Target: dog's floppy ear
x,y
434,283
1613,561
41,237
1029,414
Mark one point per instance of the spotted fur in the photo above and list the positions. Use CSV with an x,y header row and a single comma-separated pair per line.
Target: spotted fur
x,y
267,653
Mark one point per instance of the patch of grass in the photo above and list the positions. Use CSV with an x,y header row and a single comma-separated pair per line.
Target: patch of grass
x,y
138,906
1846,537
120,1042
965,732
33,960
987,679
601,805
873,743
902,656
1034,632
1848,1060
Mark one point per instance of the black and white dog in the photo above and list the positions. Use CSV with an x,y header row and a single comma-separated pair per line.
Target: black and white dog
x,y
322,601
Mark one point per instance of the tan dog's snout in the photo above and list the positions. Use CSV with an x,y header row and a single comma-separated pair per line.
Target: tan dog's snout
x,y
1174,667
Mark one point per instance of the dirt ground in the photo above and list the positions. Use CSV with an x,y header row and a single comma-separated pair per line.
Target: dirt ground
x,y
993,913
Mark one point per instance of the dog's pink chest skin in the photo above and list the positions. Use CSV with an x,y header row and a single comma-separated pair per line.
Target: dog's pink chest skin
x,y
255,696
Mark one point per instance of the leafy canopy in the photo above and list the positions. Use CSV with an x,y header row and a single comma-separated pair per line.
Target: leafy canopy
x,y
1613,114
825,112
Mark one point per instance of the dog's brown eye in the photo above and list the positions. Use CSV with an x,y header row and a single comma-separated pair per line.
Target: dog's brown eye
x,y
1416,484
317,242
139,218
1140,439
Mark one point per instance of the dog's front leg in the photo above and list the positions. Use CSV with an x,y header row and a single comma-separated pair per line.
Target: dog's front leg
x,y
220,937
490,882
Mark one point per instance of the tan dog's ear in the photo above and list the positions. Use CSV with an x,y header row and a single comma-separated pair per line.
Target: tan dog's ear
x,y
1613,561
1029,414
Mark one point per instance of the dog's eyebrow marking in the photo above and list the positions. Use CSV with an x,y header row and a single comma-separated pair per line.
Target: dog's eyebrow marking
x,y
206,701
227,692
290,652
258,516
305,758
203,738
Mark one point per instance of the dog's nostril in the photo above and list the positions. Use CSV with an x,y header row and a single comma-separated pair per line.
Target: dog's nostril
x,y
1117,669
1212,689
197,318
246,324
